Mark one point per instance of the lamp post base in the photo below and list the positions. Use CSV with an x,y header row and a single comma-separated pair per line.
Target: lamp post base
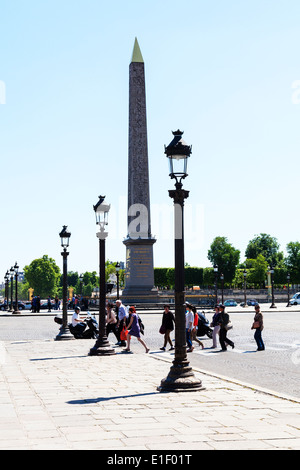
x,y
180,379
102,348
64,334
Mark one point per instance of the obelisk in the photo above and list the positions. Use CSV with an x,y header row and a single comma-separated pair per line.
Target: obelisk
x,y
139,276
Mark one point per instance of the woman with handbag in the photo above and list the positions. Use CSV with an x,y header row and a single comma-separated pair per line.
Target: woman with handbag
x,y
167,326
258,326
134,330
225,325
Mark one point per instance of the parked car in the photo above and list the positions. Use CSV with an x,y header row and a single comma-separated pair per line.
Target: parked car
x,y
44,304
295,300
21,305
250,302
230,303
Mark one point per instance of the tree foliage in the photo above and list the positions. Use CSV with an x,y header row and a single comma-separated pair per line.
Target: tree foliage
x,y
43,276
225,256
267,246
293,261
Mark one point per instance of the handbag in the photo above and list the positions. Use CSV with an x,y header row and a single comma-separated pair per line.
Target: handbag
x,y
162,329
123,334
255,325
229,326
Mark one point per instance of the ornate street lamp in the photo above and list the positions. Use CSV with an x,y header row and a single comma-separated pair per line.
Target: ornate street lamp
x,y
288,277
222,280
81,283
271,270
245,287
216,283
181,376
12,271
6,277
118,278
16,270
64,332
102,346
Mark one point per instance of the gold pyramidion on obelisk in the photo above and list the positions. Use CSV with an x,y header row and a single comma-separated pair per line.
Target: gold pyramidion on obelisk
x,y
136,53
139,276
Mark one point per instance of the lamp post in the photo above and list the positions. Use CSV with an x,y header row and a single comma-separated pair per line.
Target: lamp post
x,y
181,376
222,279
271,270
245,287
81,283
118,278
16,308
6,277
102,346
216,283
11,289
64,332
288,277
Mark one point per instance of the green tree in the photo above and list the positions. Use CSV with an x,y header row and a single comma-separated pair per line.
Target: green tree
x,y
267,246
43,276
225,256
292,261
256,270
90,278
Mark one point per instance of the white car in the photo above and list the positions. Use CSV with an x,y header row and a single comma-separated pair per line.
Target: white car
x,y
295,300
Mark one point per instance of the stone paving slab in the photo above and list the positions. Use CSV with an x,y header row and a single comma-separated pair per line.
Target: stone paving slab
x,y
54,396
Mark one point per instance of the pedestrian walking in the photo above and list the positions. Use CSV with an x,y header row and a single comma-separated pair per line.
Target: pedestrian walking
x,y
216,327
225,325
167,326
38,304
134,330
56,303
122,315
111,321
49,304
195,328
33,304
189,322
258,326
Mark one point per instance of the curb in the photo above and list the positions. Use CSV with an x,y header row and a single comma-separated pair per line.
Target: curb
x,y
236,382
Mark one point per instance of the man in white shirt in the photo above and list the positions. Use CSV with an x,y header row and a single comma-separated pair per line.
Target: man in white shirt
x,y
122,315
189,322
77,322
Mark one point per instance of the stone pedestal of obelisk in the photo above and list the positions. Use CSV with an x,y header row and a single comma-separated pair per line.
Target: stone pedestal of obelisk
x,y
139,276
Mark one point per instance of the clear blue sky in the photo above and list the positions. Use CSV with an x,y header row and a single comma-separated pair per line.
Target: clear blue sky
x,y
221,71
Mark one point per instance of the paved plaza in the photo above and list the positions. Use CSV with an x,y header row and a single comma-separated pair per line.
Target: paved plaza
x,y
55,396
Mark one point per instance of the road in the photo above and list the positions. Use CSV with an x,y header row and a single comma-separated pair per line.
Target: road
x,y
277,368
